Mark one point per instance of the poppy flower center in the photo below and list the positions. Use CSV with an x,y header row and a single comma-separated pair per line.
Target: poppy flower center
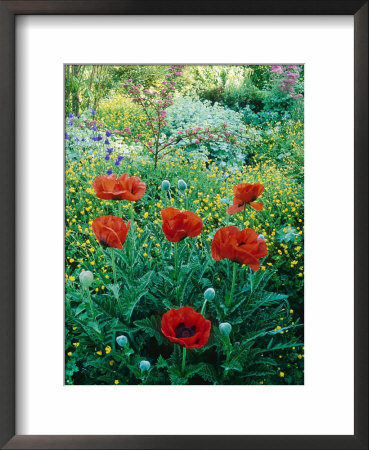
x,y
183,332
241,204
104,243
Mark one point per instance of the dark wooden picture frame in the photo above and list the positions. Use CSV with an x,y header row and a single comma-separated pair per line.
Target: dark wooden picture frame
x,y
8,12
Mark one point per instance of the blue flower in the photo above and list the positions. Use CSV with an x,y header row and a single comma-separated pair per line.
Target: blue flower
x,y
107,157
106,142
83,139
93,128
109,150
70,122
108,134
70,115
93,112
119,159
76,139
96,138
109,171
67,136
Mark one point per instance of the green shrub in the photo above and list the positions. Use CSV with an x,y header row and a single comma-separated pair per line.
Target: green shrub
x,y
189,113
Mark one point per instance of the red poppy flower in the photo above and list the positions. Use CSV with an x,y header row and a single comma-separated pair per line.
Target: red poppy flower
x,y
241,246
186,327
110,231
177,225
108,187
246,193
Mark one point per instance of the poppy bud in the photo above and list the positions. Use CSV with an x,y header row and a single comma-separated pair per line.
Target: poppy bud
x,y
144,366
165,185
86,278
225,328
122,340
209,294
182,185
261,236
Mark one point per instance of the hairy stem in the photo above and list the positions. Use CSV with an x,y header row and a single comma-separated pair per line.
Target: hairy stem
x,y
184,359
91,304
230,298
244,215
176,268
203,307
113,266
115,279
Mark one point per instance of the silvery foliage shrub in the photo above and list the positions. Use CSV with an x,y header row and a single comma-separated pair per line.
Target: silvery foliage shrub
x,y
188,113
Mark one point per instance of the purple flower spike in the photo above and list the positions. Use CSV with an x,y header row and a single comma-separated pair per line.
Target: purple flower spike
x,y
108,134
67,136
93,112
109,171
70,115
106,142
109,150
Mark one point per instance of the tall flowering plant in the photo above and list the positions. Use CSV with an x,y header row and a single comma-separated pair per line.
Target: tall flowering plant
x,y
287,78
155,103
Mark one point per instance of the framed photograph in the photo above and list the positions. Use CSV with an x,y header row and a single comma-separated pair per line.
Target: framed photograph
x,y
186,228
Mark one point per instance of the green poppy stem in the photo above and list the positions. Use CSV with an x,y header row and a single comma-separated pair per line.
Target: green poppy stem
x,y
113,265
230,298
184,359
115,279
228,348
176,261
120,210
167,197
176,269
91,304
203,307
244,215
131,212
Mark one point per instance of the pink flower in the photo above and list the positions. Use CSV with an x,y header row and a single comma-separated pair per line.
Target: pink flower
x,y
276,69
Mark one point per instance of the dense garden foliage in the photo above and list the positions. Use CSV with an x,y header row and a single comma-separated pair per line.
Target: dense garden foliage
x,y
184,225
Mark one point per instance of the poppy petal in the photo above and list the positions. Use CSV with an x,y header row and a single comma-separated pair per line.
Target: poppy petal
x,y
110,230
256,205
169,213
235,208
